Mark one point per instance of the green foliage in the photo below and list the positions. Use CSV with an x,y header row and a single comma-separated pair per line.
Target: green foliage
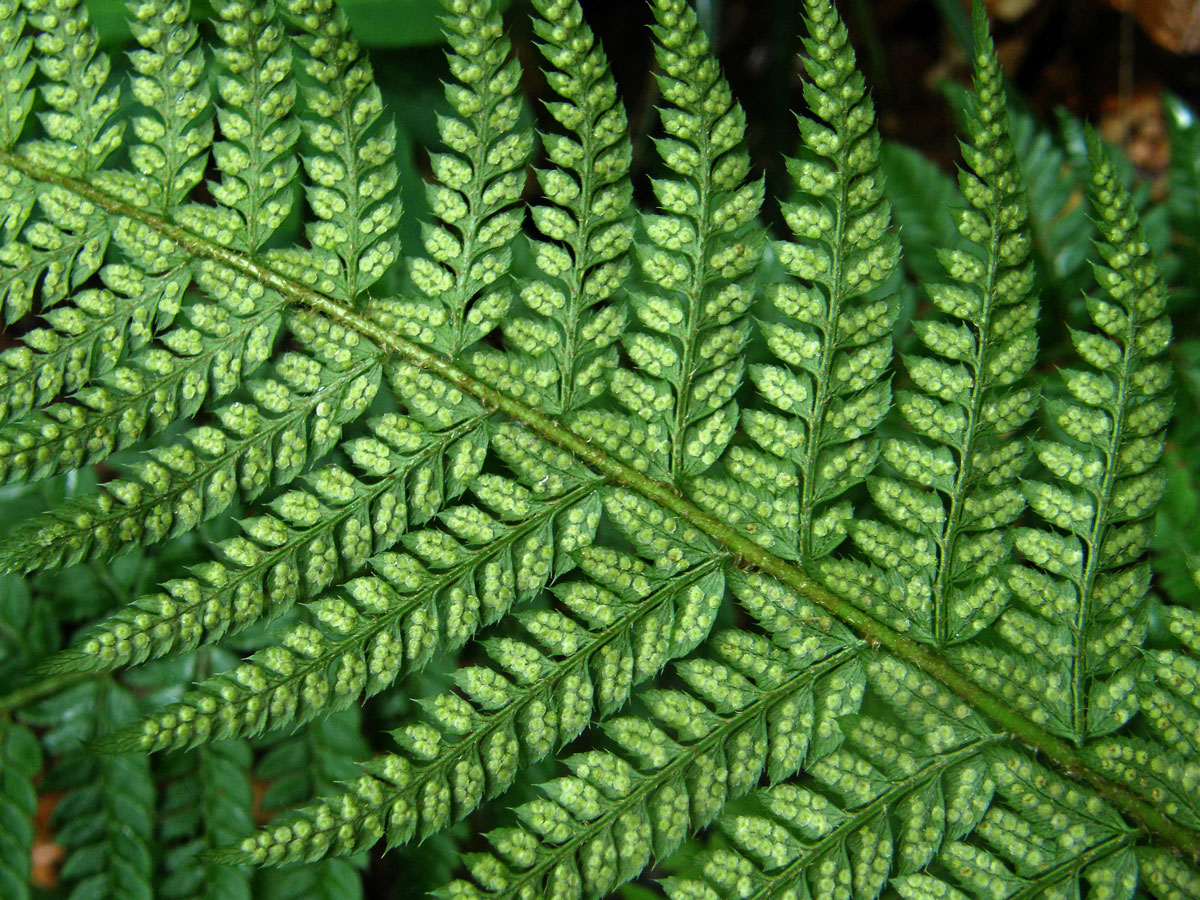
x,y
20,759
105,819
590,527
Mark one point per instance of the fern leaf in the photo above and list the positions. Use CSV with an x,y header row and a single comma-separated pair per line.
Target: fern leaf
x,y
1061,229
480,178
701,257
105,819
295,419
951,491
956,707
88,338
56,254
885,799
1166,876
1041,837
17,69
1166,701
1082,613
832,328
78,131
751,707
164,381
585,220
611,632
310,541
20,760
206,802
352,179
299,770
435,595
174,131
257,158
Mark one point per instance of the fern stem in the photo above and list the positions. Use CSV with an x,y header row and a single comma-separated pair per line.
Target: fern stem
x,y
1063,754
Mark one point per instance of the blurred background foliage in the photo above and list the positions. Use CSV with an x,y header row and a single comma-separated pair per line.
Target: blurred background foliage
x,y
1126,65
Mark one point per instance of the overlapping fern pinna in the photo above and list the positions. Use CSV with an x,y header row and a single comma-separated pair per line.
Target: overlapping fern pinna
x,y
642,505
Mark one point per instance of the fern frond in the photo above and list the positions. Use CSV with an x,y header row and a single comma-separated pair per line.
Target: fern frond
x,y
78,131
352,178
1058,219
206,802
293,419
20,760
1039,837
884,800
174,130
832,328
256,158
434,596
105,818
611,632
166,380
580,488
951,491
480,177
1082,609
311,540
922,197
1166,700
585,221
299,770
87,339
1165,875
749,707
699,263
52,255
16,70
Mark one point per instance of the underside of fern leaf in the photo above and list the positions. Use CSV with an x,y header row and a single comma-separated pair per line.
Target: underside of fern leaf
x,y
630,517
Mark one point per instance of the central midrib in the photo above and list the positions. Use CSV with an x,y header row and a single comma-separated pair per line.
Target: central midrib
x,y
1065,756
